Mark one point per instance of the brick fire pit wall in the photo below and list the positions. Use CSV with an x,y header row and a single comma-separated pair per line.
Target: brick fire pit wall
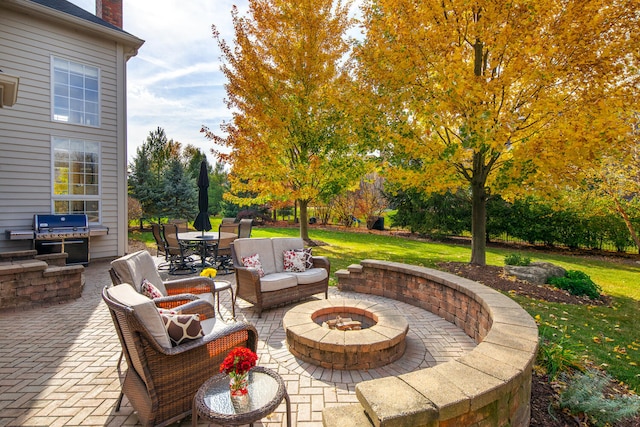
x,y
491,385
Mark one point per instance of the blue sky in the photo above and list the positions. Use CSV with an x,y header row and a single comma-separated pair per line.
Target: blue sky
x,y
175,81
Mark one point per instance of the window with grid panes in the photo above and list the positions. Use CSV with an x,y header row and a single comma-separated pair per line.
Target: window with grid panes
x,y
76,177
75,93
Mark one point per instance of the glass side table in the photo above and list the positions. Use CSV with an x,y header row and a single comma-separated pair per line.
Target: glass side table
x,y
212,402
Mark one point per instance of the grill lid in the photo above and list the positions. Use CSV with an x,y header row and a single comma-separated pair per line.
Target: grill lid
x,y
44,223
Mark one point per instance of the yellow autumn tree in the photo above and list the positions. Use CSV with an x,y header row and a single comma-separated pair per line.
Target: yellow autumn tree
x,y
488,94
612,175
288,88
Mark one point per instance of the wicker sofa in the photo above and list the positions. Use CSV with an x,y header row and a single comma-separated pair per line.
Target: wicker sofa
x,y
277,286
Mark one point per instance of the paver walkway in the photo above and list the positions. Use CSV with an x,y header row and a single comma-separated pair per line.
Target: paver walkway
x,y
58,363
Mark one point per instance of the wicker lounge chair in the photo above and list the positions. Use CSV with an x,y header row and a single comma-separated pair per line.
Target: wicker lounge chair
x,y
161,380
138,266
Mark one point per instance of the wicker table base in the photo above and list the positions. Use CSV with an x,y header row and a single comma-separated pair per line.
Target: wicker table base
x,y
212,402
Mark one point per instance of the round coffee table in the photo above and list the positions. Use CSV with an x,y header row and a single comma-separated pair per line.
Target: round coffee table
x,y
212,402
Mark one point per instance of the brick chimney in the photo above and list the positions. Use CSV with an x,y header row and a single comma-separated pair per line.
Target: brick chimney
x,y
110,11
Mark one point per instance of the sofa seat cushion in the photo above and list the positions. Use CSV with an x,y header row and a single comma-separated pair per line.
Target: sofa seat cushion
x,y
277,281
144,309
313,275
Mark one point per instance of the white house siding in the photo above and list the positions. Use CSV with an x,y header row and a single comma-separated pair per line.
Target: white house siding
x,y
26,46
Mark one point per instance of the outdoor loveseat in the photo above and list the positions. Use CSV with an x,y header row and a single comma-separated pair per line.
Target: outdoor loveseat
x,y
285,271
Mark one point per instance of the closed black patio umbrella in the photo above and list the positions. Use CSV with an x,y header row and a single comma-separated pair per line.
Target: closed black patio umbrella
x,y
202,222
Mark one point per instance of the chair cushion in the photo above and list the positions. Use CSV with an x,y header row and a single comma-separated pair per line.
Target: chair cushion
x,y
182,327
253,261
277,281
144,309
261,246
313,275
297,260
281,244
136,267
149,290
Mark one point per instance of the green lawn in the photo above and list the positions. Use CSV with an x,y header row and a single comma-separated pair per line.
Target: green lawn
x,y
606,336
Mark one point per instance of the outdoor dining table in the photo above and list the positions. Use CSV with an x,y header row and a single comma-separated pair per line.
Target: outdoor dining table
x,y
203,239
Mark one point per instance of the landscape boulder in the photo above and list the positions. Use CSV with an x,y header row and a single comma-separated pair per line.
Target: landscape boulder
x,y
537,272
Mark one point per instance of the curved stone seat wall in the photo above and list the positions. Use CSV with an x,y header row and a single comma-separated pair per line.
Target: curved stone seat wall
x,y
491,385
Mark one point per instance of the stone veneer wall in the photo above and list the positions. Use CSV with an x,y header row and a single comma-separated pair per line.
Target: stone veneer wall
x,y
27,279
489,386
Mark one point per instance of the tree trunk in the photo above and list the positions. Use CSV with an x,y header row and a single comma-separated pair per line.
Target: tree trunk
x,y
478,221
304,222
627,222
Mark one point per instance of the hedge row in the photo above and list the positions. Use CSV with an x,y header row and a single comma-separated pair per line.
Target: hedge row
x,y
527,220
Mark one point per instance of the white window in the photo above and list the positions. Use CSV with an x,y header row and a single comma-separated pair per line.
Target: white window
x,y
76,177
75,93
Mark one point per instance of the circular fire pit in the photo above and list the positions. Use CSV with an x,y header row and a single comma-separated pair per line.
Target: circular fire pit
x,y
381,339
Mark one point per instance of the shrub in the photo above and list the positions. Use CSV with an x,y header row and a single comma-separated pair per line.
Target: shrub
x,y
577,283
557,357
517,259
584,394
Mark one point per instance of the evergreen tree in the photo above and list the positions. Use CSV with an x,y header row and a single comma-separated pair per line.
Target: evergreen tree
x,y
180,197
143,184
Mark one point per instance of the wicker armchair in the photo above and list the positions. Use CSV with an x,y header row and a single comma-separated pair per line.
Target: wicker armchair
x,y
136,267
161,381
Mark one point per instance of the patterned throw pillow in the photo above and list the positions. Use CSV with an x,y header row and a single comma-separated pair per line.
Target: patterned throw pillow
x,y
253,261
149,290
295,260
308,258
182,327
168,311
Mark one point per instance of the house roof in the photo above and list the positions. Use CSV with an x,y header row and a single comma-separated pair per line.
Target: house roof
x,y
72,9
68,14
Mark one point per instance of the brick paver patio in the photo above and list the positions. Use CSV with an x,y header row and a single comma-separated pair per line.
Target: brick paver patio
x,y
58,363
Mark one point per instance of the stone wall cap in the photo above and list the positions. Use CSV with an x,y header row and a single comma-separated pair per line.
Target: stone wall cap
x,y
447,397
480,387
391,402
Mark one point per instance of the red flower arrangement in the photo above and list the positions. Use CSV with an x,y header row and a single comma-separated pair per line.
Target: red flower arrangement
x,y
237,365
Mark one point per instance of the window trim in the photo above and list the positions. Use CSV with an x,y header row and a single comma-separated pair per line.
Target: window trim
x,y
72,197
52,91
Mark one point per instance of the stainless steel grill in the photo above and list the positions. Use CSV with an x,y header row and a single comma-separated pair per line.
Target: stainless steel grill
x,y
63,233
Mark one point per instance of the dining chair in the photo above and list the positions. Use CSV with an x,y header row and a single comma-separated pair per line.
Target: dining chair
x,y
180,260
244,228
223,248
161,245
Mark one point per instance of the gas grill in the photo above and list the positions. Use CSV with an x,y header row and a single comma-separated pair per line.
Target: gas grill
x,y
63,233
